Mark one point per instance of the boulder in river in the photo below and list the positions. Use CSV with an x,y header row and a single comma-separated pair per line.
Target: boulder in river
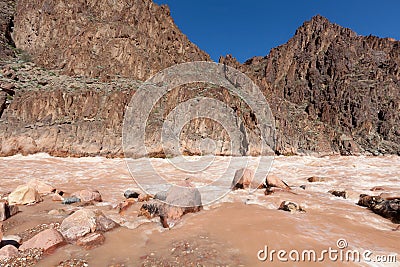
x,y
291,207
315,179
274,181
337,193
131,194
85,221
86,195
389,209
179,200
242,179
24,194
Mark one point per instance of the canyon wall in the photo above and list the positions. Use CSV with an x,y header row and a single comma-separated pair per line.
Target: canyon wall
x,y
101,37
330,90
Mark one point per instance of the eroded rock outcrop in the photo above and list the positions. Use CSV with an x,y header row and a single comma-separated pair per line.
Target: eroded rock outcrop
x,y
331,90
102,38
7,9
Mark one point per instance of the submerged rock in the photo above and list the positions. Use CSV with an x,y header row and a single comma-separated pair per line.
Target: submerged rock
x,y
291,207
274,181
24,194
91,240
315,179
88,195
131,194
242,179
46,240
337,193
389,209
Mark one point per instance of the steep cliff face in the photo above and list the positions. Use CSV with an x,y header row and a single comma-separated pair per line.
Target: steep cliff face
x,y
332,90
102,38
7,9
45,111
61,115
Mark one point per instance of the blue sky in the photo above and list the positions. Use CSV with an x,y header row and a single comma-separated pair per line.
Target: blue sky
x,y
251,28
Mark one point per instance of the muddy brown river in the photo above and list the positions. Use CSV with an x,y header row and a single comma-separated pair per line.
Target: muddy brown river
x,y
239,228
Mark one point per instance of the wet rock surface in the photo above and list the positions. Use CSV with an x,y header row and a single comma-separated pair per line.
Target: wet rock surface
x,y
389,209
291,207
131,194
242,179
91,240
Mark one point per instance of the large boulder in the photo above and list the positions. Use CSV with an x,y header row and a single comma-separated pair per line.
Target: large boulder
x,y
43,188
242,179
179,200
184,195
86,195
24,194
46,240
85,221
6,210
274,181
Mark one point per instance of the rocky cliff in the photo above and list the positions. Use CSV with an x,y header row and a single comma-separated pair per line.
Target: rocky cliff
x,y
331,90
7,9
102,38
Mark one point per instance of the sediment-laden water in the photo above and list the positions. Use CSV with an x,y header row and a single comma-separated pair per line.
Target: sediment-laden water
x,y
235,227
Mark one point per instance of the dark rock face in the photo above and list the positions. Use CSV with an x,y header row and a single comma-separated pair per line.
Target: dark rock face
x,y
7,9
331,90
386,208
102,38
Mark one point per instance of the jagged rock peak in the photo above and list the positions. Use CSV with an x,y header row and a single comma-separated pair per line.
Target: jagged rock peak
x,y
319,25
